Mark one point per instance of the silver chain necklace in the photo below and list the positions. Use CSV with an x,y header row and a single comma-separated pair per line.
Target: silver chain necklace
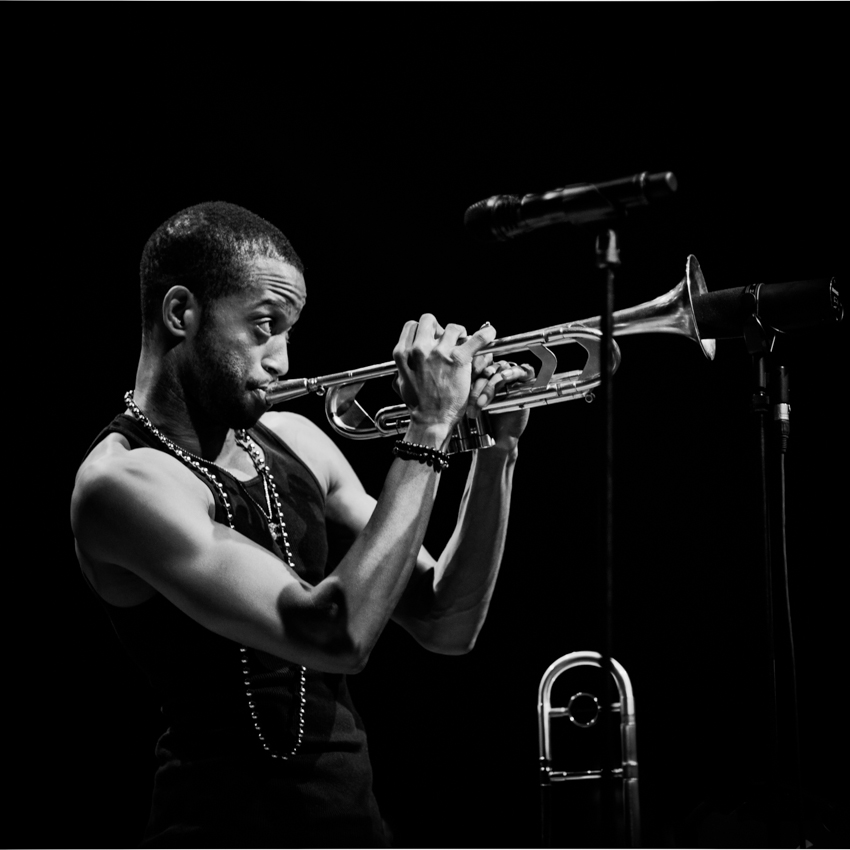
x,y
277,527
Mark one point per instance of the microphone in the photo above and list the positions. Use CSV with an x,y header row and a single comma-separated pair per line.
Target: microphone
x,y
784,306
502,217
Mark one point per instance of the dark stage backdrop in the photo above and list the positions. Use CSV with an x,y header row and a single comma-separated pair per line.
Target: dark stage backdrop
x,y
364,132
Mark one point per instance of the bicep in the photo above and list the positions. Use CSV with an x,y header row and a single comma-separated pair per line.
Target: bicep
x,y
157,525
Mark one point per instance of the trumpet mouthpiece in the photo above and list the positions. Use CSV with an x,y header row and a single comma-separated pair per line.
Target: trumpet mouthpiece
x,y
284,390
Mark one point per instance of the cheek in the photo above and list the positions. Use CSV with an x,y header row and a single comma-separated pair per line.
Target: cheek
x,y
231,366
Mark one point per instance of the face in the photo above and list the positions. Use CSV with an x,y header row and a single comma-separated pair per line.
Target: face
x,y
241,344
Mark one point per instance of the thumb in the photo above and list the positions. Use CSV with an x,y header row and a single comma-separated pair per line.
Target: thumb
x,y
473,344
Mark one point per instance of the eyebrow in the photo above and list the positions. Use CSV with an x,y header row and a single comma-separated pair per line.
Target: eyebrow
x,y
276,301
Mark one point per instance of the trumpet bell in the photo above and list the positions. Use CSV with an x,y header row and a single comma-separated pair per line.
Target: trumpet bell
x,y
672,312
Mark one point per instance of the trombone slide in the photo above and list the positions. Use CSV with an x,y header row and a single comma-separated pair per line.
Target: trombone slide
x,y
627,773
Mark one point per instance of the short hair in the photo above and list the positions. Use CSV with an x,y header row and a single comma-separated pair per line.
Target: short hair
x,y
206,248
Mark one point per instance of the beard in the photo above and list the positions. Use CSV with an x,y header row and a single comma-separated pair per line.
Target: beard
x,y
217,389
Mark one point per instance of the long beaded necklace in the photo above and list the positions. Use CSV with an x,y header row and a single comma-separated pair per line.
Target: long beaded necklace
x,y
277,527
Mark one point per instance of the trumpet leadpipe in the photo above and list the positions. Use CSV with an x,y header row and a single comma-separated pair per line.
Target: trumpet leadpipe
x,y
280,391
284,390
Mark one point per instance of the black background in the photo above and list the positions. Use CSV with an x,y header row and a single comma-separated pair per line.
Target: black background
x,y
364,132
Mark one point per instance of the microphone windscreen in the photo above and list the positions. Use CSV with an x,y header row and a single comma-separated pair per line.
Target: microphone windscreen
x,y
783,306
721,314
801,304
493,219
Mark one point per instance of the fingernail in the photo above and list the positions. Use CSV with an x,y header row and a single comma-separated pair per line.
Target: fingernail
x,y
485,325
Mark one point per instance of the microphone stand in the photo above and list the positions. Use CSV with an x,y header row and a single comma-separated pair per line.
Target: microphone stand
x,y
608,261
770,378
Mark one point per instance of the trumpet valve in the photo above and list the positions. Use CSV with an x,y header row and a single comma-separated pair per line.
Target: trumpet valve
x,y
470,434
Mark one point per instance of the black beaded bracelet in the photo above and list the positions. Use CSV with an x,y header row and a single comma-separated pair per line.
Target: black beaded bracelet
x,y
424,454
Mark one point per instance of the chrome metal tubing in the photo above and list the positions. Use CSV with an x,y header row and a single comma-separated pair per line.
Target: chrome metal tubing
x,y
671,313
627,773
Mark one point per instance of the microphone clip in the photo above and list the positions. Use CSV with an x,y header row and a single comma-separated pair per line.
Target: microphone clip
x,y
759,336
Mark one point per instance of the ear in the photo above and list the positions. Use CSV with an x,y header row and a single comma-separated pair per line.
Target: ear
x,y
180,311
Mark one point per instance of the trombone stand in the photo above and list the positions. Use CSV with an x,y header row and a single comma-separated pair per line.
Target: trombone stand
x,y
607,261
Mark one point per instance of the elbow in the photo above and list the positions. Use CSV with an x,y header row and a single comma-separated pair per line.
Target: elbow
x,y
450,633
348,655
331,648
455,647
330,651
356,663
324,632
445,641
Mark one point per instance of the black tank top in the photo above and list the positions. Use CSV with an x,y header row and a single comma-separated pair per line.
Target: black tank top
x,y
215,785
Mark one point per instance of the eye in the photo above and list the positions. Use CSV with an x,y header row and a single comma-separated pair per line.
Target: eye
x,y
269,327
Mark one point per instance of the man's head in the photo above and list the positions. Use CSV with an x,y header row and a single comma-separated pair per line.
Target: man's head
x,y
209,249
221,290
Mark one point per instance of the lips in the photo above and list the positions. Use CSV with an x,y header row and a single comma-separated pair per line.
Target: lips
x,y
262,393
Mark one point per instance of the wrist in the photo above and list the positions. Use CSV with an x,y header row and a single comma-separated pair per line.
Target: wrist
x,y
500,453
436,459
424,433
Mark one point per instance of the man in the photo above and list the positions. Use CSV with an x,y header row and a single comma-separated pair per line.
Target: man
x,y
201,521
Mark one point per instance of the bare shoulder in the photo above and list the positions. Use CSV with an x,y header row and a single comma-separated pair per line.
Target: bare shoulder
x,y
311,444
292,426
112,463
115,480
345,499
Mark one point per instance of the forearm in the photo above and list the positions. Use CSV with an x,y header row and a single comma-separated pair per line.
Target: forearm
x,y
449,611
434,380
367,585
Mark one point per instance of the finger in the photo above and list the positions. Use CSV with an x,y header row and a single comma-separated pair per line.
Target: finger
x,y
405,341
489,390
480,362
429,328
529,374
507,373
516,374
450,337
478,385
486,385
483,336
483,370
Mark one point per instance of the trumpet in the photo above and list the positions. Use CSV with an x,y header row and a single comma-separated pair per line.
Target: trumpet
x,y
671,313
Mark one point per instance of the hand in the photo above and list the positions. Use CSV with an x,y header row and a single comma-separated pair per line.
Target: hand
x,y
435,369
489,377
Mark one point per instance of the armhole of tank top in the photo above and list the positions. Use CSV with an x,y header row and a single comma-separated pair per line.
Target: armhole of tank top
x,y
104,433
273,438
128,427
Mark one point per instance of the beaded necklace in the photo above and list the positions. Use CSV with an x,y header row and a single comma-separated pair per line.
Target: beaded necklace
x,y
277,527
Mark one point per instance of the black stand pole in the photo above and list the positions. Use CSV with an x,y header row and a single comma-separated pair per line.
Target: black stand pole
x,y
607,260
760,341
770,379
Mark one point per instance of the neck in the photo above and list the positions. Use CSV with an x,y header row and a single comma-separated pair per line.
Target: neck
x,y
160,395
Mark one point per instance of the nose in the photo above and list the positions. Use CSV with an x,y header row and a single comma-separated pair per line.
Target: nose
x,y
276,357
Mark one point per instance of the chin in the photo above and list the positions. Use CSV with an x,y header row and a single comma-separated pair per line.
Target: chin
x,y
240,415
248,418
